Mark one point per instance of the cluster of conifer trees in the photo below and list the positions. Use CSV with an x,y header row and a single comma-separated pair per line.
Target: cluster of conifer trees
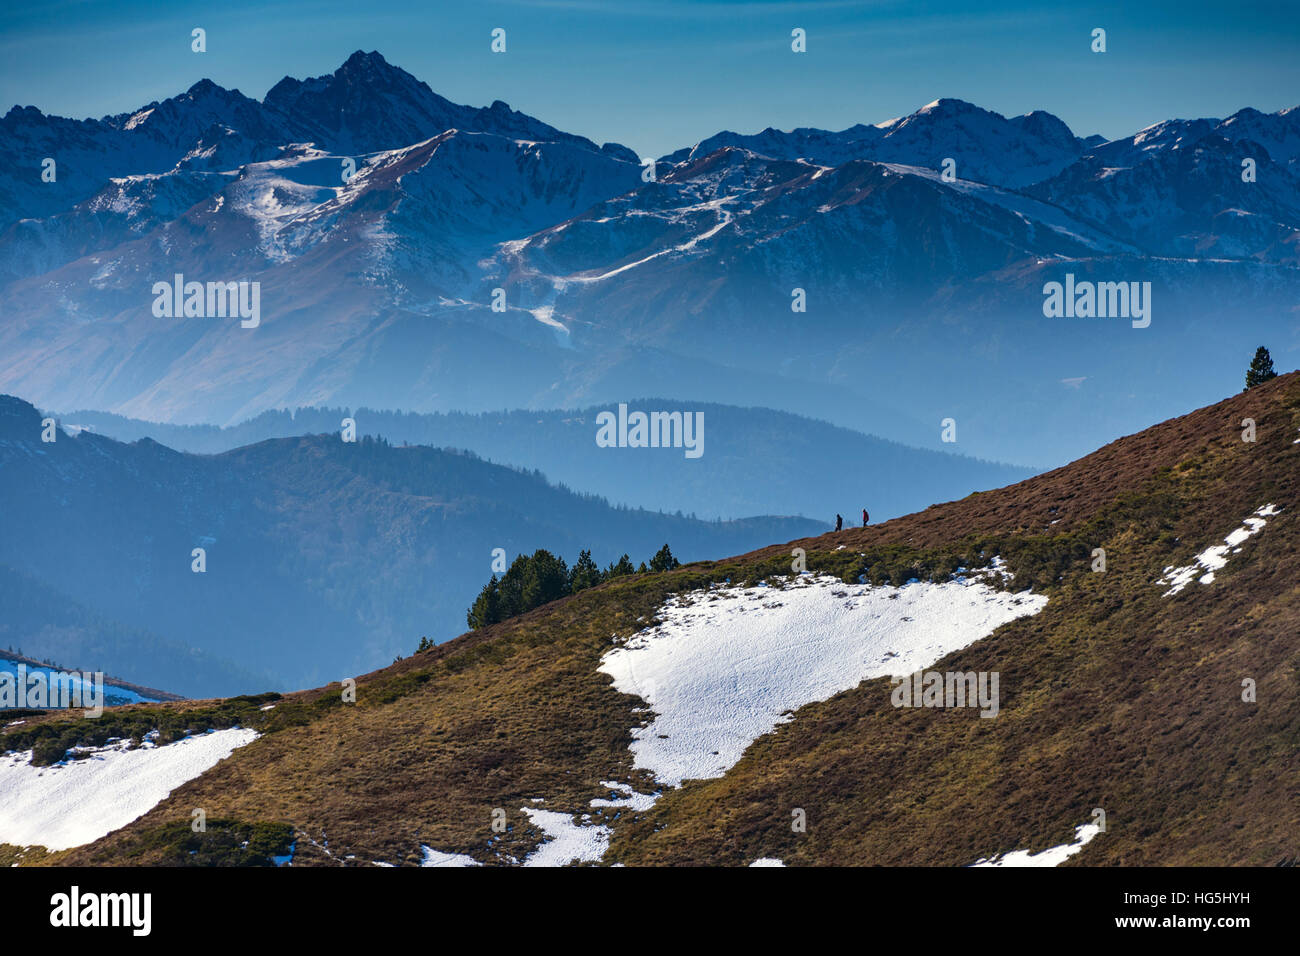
x,y
533,581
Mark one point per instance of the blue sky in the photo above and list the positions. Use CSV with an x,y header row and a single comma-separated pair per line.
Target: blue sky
x,y
658,74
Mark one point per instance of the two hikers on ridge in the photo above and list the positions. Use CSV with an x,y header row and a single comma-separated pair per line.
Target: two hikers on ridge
x,y
839,520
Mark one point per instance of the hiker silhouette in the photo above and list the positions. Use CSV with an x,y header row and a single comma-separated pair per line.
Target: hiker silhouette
x,y
865,517
839,522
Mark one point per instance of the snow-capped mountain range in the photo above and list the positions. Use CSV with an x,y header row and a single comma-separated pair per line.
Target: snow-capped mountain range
x,y
380,220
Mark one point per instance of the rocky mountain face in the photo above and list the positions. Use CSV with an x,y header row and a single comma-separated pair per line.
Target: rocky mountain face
x,y
410,252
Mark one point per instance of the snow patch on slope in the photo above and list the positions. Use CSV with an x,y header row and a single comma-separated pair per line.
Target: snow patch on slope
x,y
1053,856
77,802
1216,558
636,802
436,858
727,665
568,841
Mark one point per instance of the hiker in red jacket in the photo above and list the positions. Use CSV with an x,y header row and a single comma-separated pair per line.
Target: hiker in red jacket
x,y
865,517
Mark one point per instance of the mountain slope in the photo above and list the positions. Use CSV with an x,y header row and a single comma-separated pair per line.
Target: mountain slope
x,y
754,461
332,261
1116,693
1179,189
352,549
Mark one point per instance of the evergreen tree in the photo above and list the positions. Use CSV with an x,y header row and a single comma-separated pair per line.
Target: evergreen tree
x,y
512,588
624,566
546,580
1261,369
664,560
530,582
486,608
584,574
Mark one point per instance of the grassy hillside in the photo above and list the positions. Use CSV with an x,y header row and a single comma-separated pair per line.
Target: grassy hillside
x,y
1114,696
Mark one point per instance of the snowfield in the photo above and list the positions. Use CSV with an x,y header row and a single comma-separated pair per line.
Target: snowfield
x,y
567,841
1053,856
728,665
78,802
1216,558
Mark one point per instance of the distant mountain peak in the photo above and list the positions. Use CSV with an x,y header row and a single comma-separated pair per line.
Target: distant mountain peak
x,y
360,75
1048,127
358,70
368,104
370,67
949,108
950,104
992,148
17,112
361,58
